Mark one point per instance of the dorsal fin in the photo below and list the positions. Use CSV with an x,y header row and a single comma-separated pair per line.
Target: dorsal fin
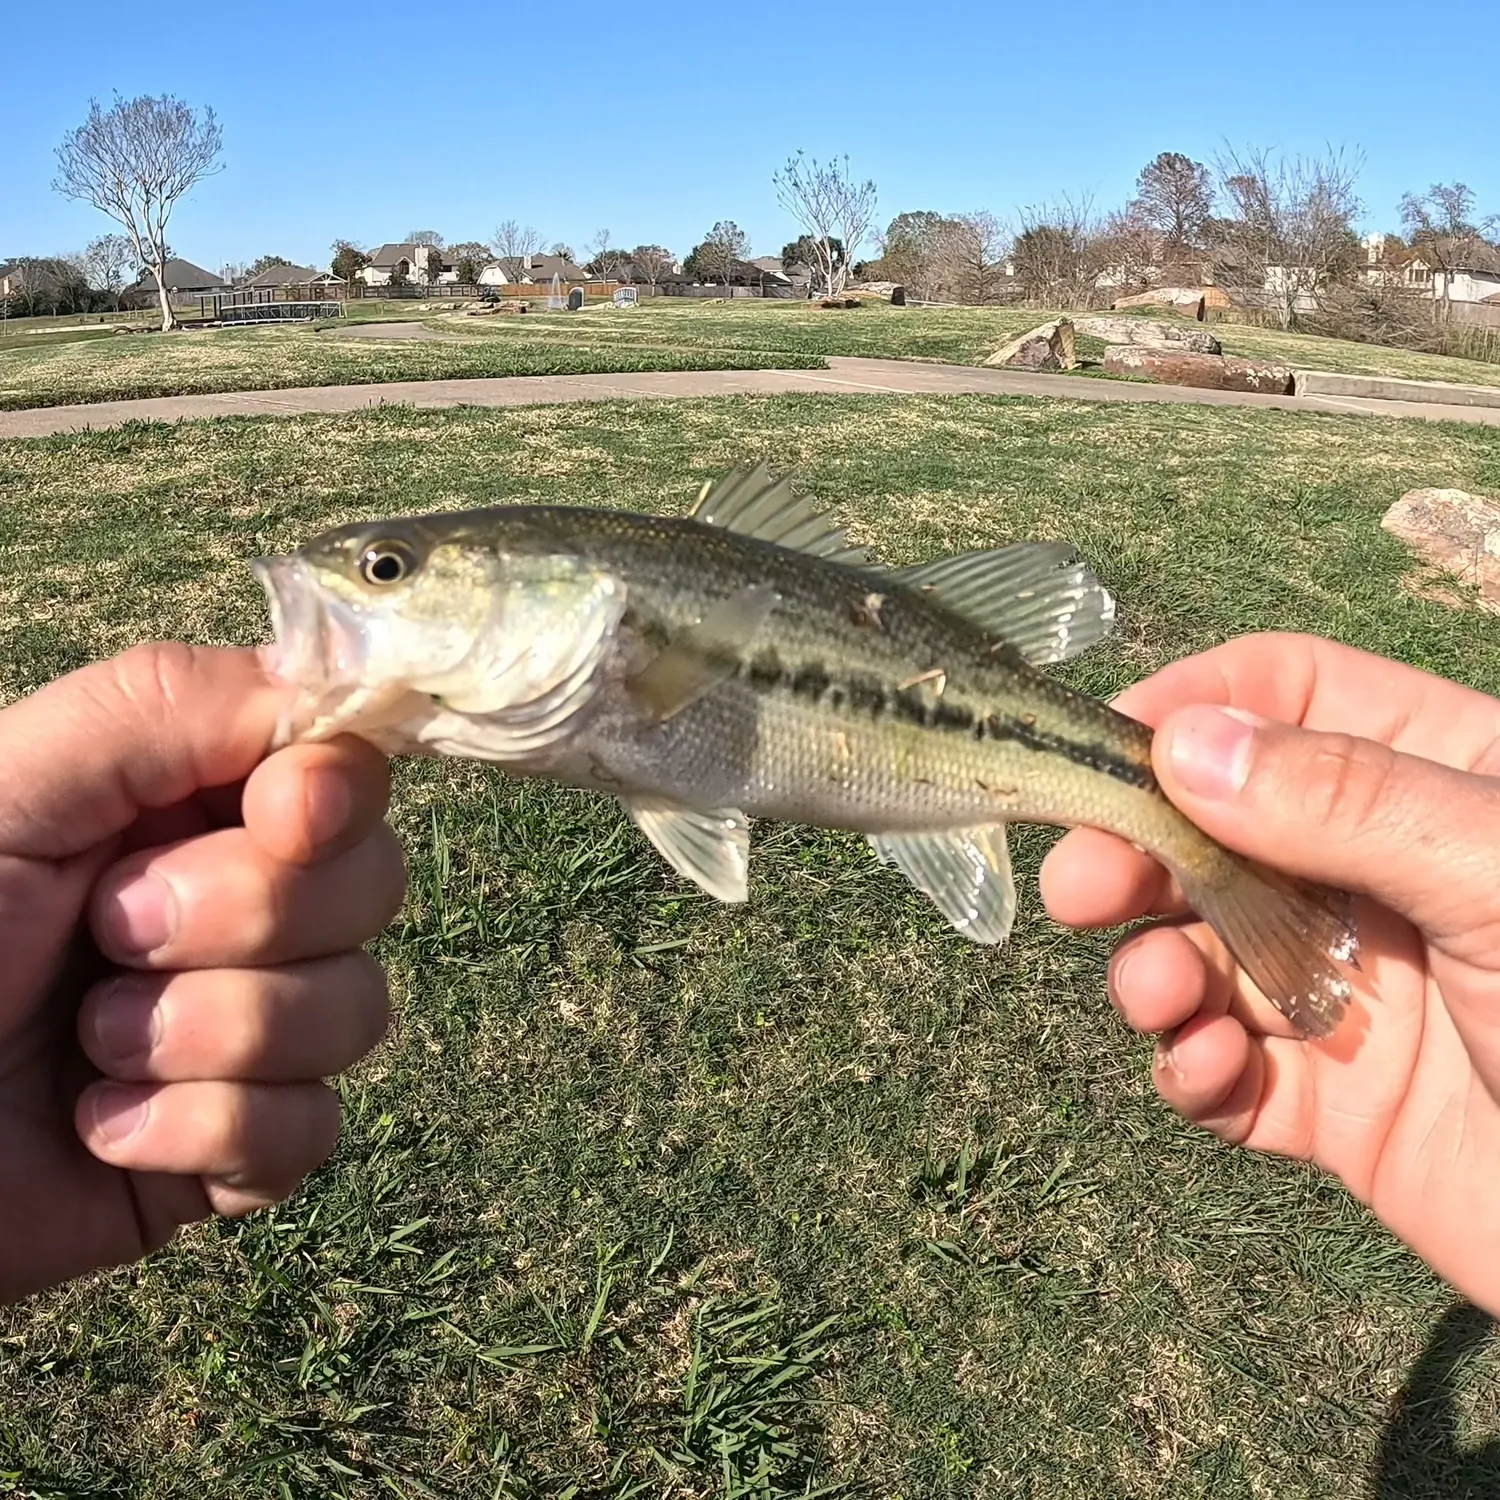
x,y
755,504
1039,597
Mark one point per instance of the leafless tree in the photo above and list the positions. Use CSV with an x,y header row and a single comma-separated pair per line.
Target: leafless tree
x,y
653,262
515,244
1443,229
971,255
134,162
424,237
105,262
1289,238
1129,253
1175,197
832,207
1059,253
604,260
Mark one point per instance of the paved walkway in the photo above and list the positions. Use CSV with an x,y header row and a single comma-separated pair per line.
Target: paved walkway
x,y
844,377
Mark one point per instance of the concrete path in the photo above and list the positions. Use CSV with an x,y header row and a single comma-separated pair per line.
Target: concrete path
x,y
843,377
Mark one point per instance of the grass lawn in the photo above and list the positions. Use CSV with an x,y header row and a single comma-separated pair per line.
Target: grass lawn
x,y
649,1196
662,334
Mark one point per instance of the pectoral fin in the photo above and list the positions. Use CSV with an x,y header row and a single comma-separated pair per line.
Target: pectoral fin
x,y
705,655
966,873
712,849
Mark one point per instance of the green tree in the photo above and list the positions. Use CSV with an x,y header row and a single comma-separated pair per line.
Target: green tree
x,y
722,249
264,263
804,251
469,258
348,260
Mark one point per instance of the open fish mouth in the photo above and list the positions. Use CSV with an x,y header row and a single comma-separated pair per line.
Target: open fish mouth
x,y
318,645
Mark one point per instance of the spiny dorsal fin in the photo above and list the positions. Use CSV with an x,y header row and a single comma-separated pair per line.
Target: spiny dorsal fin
x,y
1039,597
703,656
712,849
755,504
964,871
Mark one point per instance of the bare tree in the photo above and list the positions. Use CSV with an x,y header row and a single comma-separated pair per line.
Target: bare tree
x,y
971,253
515,244
105,263
1059,253
653,262
1128,252
134,162
1443,230
1289,239
913,249
1175,197
827,202
604,260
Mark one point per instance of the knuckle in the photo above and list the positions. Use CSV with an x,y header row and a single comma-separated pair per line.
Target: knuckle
x,y
154,677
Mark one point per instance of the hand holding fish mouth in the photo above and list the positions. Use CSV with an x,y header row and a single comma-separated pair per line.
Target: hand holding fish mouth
x,y
1336,766
181,918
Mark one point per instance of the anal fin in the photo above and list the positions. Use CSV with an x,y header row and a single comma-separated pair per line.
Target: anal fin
x,y
964,871
712,849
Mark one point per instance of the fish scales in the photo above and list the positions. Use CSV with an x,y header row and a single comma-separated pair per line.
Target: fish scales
x,y
746,660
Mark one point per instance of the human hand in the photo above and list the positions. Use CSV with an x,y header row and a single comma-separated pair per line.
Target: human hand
x,y
181,920
1374,778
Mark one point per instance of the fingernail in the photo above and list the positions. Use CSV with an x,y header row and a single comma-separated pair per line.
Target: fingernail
x,y
120,1109
142,915
127,1021
326,804
1210,751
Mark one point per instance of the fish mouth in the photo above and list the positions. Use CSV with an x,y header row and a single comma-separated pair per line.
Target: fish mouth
x,y
317,644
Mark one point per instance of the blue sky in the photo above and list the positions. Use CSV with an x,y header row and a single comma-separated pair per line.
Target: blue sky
x,y
655,122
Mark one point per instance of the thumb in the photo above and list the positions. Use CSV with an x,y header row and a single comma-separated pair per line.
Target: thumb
x,y
84,756
1419,837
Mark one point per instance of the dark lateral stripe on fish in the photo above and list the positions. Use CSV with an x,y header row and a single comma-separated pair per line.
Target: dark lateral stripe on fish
x,y
864,694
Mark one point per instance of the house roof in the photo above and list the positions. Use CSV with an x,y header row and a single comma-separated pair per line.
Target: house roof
x,y
284,274
387,255
183,276
544,267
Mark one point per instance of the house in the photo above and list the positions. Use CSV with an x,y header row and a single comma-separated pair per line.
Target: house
x,y
1473,277
180,277
282,274
535,270
417,264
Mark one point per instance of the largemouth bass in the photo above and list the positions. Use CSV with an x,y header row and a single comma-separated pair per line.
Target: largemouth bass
x,y
746,660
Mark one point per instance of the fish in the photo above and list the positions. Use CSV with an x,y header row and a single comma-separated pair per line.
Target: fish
x,y
746,660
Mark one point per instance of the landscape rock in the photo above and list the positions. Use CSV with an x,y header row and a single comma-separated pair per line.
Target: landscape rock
x,y
1190,300
1143,333
1050,347
1455,531
1211,372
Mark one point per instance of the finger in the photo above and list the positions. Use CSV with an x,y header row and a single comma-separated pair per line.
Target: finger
x,y
221,901
308,802
288,1024
84,756
1320,684
252,1137
1201,1071
1093,879
1162,977
1421,838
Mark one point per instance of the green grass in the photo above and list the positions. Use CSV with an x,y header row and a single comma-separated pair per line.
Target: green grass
x,y
648,1196
662,334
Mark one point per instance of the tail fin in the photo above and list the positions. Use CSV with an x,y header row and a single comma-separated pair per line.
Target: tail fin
x,y
1287,935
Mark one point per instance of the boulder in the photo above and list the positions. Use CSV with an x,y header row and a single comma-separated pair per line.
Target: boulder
x,y
1189,300
1143,333
1213,372
1455,531
1049,347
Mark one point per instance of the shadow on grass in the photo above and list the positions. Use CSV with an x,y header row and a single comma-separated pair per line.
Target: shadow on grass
x,y
1420,1455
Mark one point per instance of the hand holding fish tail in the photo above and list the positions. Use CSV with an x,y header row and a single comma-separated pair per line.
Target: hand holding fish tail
x,y
1338,767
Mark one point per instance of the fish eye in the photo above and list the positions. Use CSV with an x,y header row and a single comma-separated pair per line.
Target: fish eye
x,y
384,563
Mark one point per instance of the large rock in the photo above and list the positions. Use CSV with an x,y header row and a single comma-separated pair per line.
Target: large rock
x,y
1049,347
1190,300
1213,372
1143,333
1455,531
